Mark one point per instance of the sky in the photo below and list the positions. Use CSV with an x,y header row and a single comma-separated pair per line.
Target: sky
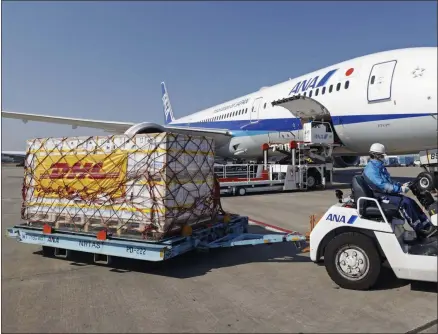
x,y
105,60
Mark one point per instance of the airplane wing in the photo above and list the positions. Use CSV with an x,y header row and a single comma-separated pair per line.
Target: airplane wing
x,y
118,127
219,135
20,154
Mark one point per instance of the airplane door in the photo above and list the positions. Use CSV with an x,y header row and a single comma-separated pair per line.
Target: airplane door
x,y
254,115
380,81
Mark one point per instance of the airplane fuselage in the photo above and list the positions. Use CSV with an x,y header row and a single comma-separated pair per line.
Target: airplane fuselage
x,y
388,97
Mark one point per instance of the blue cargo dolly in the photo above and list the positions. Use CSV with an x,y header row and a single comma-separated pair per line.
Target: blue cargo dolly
x,y
220,234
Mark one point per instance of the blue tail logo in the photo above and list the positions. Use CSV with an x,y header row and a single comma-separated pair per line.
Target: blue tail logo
x,y
168,112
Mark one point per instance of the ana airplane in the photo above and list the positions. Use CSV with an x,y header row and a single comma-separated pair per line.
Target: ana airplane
x,y
388,97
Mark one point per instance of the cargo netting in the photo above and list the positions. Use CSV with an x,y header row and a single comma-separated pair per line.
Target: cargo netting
x,y
142,186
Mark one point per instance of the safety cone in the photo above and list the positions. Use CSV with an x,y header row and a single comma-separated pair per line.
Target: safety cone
x,y
312,224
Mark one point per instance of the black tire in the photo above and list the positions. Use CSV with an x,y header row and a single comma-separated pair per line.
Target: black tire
x,y
361,244
48,251
240,191
426,181
315,176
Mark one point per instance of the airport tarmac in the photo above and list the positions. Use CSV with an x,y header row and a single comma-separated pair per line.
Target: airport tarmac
x,y
256,289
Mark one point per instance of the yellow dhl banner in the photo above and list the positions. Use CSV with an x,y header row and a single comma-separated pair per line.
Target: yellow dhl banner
x,y
87,176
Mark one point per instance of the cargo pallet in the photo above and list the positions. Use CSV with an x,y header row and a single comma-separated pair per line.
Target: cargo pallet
x,y
104,246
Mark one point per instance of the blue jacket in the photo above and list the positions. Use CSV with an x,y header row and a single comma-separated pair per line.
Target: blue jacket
x,y
376,173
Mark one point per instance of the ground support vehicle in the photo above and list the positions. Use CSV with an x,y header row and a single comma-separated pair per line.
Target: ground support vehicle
x,y
356,235
306,164
429,162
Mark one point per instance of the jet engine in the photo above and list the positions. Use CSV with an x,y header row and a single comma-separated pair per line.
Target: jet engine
x,y
145,127
345,161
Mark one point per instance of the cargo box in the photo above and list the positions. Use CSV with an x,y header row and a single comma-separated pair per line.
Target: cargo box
x,y
142,186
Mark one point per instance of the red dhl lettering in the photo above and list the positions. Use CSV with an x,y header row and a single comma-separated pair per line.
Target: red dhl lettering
x,y
62,170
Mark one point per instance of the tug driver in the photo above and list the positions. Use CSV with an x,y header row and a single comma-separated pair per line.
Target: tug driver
x,y
379,180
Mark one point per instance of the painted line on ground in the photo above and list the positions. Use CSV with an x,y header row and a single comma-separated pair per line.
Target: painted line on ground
x,y
269,226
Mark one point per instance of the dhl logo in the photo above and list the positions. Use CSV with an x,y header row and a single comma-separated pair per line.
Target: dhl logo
x,y
80,170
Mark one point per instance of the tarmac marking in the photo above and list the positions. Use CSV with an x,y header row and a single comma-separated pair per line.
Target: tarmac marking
x,y
269,226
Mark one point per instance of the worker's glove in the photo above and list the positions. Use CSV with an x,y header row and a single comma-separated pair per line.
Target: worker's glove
x,y
404,188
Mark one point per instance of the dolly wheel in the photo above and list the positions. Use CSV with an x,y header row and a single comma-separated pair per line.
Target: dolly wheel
x,y
352,261
48,251
241,191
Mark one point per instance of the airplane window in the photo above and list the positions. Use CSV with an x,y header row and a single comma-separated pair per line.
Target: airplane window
x,y
338,86
310,94
323,91
347,84
316,92
264,107
330,88
246,110
372,79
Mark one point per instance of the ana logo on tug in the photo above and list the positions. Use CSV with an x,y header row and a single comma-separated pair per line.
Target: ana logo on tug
x,y
341,218
80,170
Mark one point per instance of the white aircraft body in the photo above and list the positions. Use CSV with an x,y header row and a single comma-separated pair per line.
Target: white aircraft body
x,y
388,97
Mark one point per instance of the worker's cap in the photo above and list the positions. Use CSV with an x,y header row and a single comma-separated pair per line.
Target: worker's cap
x,y
378,148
